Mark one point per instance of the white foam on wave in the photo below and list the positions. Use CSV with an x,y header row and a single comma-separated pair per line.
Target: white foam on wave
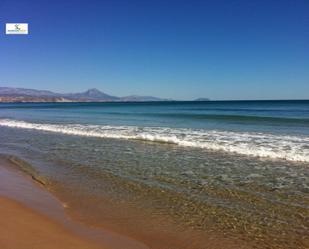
x,y
293,148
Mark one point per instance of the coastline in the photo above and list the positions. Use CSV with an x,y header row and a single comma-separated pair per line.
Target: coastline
x,y
170,176
31,217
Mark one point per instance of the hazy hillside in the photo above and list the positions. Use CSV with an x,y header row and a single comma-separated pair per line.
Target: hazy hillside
x,y
9,94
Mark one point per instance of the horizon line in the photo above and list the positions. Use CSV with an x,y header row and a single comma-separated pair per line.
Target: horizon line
x,y
149,95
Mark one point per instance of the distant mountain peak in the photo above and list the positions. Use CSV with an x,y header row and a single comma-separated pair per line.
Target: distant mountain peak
x,y
8,94
93,91
92,94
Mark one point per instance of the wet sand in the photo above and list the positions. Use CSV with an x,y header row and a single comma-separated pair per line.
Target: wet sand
x,y
31,218
21,227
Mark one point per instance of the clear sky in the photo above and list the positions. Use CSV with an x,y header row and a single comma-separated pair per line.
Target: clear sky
x,y
221,49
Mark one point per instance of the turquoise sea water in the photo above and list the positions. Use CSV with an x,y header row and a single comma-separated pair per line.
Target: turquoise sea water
x,y
272,116
234,167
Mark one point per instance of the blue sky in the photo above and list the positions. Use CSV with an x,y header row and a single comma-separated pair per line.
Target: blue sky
x,y
232,49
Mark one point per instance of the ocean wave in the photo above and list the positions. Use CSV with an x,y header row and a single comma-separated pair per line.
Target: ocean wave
x,y
293,148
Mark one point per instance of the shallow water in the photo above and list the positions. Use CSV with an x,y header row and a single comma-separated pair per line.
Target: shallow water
x,y
246,183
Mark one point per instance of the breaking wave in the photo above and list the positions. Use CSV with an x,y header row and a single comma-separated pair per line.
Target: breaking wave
x,y
292,148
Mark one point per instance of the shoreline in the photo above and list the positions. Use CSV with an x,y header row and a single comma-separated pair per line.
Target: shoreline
x,y
31,217
21,186
22,227
24,198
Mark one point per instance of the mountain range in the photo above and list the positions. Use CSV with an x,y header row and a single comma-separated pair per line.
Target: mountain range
x,y
10,94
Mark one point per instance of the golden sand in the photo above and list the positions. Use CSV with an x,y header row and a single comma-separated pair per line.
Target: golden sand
x,y
21,227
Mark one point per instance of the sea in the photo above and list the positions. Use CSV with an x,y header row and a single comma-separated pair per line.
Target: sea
x,y
173,175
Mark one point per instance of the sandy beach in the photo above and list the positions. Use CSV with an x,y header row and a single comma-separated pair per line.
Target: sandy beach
x,y
31,218
21,227
154,124
130,176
